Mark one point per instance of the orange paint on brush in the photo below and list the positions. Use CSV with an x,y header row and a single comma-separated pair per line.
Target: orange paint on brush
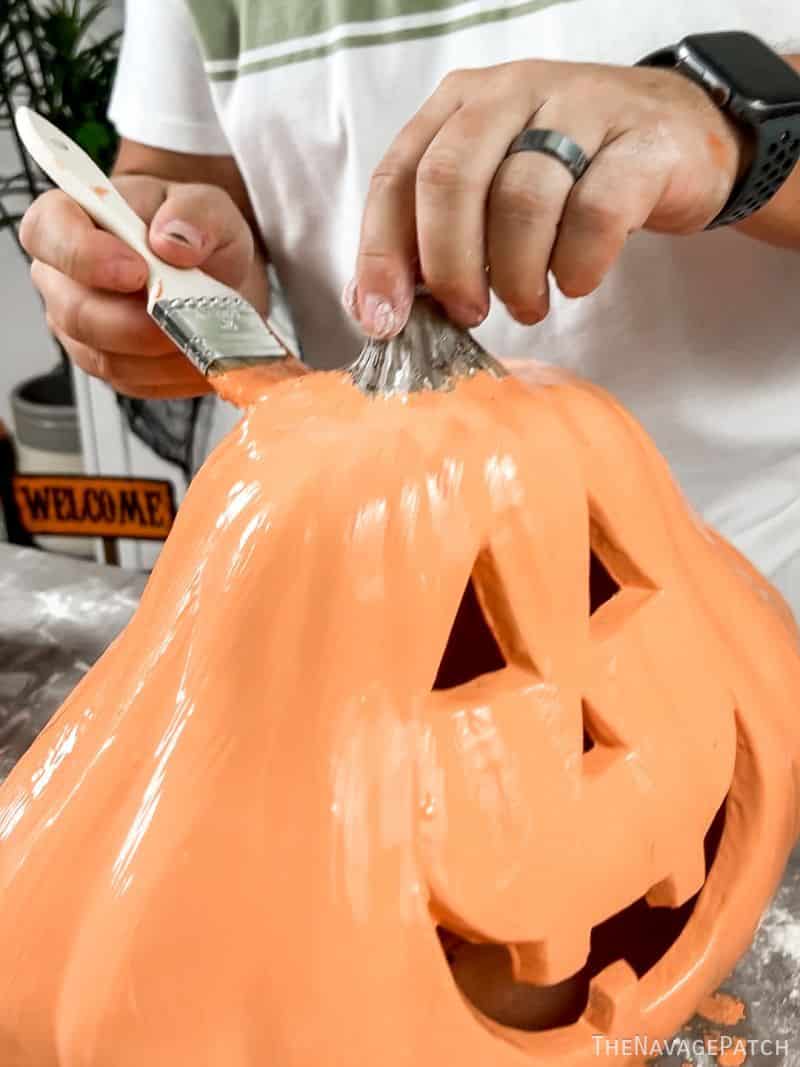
x,y
249,385
722,1008
311,749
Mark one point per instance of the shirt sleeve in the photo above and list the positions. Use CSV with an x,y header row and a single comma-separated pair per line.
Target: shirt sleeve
x,y
161,94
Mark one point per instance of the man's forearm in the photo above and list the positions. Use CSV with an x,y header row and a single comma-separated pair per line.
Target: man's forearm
x,y
778,222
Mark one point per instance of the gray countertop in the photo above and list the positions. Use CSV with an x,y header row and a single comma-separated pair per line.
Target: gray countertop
x,y
57,615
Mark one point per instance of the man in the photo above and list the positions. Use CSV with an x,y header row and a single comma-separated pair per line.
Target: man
x,y
257,128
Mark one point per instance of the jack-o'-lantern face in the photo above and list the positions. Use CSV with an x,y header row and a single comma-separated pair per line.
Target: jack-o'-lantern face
x,y
599,821
443,734
590,718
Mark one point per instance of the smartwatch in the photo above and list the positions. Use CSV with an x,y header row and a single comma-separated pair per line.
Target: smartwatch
x,y
760,91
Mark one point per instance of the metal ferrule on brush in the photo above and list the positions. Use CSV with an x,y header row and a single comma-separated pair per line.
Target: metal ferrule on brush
x,y
218,333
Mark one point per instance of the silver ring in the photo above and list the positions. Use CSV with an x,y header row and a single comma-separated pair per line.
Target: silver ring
x,y
555,144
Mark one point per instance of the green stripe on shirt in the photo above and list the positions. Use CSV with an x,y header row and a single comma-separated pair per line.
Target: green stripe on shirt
x,y
217,23
302,49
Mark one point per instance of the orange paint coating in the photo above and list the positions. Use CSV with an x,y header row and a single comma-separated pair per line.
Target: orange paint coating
x,y
734,1056
729,1051
248,385
233,843
722,1008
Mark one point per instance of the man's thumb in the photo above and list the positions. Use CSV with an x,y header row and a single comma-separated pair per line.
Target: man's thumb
x,y
200,226
184,244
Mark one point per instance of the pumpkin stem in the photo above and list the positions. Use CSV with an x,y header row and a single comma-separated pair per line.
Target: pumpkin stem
x,y
431,353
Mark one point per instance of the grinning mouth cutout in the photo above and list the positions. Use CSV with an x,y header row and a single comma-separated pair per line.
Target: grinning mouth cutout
x,y
637,938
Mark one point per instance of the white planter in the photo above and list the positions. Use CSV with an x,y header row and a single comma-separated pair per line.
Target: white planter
x,y
48,442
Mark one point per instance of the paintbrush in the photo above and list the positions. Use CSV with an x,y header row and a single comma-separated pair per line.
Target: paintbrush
x,y
210,323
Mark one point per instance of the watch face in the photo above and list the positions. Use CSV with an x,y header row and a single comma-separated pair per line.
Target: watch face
x,y
748,66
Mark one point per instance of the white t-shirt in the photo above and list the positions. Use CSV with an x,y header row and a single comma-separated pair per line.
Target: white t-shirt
x,y
699,336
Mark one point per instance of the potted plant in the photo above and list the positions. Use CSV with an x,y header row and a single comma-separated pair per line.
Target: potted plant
x,y
52,59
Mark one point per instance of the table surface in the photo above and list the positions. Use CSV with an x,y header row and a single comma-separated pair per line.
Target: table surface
x,y
57,615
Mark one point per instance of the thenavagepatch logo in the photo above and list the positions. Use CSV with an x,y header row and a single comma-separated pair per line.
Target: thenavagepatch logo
x,y
727,1048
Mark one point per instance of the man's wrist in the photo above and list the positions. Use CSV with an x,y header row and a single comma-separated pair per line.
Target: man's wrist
x,y
758,92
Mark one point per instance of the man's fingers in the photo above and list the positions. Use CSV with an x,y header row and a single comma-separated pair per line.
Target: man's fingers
x,y
190,226
613,199
168,376
452,187
144,194
110,323
199,225
386,264
59,233
90,281
526,203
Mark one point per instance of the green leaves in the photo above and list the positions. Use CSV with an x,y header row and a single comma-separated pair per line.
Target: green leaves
x,y
94,138
52,59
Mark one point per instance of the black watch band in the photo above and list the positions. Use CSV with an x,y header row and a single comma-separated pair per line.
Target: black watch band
x,y
776,148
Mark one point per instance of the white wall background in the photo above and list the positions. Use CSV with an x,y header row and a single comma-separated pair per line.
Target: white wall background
x,y
25,345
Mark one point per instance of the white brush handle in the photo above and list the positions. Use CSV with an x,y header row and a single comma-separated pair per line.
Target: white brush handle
x,y
72,169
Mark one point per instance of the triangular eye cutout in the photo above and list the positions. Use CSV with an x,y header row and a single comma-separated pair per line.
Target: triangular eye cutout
x,y
612,573
472,649
597,730
588,741
602,586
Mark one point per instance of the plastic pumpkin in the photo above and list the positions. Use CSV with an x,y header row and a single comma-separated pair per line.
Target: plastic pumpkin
x,y
444,733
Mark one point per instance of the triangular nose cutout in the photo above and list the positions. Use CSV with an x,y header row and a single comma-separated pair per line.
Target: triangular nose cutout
x,y
602,586
472,649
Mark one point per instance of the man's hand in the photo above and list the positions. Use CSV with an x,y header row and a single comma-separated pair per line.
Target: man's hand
x,y
446,206
92,283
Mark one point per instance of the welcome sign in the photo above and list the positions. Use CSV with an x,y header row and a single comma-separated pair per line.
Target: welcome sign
x,y
77,506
